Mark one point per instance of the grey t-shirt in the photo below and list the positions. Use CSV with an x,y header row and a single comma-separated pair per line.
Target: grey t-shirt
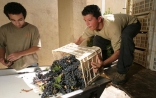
x,y
15,39
113,26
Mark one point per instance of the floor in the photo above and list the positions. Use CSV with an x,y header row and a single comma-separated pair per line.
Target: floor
x,y
141,84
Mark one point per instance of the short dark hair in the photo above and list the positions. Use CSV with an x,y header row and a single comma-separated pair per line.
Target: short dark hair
x,y
91,9
14,8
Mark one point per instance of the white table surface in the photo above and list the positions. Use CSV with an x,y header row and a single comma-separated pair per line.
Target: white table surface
x,y
4,72
11,86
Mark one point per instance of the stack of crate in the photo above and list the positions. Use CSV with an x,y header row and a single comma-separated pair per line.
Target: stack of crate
x,y
142,6
144,53
85,55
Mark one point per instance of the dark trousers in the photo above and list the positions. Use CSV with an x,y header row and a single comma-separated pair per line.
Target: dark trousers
x,y
127,47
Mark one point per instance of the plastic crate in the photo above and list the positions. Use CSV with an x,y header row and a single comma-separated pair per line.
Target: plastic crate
x,y
142,7
151,61
135,8
152,50
84,54
152,32
145,22
152,45
140,57
140,40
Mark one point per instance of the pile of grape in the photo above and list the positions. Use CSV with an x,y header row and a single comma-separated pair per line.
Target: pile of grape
x,y
63,77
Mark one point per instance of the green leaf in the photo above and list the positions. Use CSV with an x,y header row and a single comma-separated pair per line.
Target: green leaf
x,y
58,79
57,85
56,68
42,88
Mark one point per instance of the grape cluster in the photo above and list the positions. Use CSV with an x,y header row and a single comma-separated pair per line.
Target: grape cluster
x,y
63,77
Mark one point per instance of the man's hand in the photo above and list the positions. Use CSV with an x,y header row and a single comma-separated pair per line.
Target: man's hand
x,y
79,40
97,65
5,63
14,56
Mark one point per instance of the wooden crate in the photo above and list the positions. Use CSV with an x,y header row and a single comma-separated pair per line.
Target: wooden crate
x,y
143,6
140,57
151,60
84,54
145,22
141,40
152,31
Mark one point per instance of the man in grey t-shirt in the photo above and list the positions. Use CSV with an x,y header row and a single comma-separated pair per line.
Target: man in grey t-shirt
x,y
19,40
117,29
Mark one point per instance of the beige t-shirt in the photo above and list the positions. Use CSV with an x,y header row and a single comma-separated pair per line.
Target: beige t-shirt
x,y
113,26
15,39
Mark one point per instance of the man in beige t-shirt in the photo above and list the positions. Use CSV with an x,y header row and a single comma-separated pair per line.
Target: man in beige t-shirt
x,y
19,40
117,29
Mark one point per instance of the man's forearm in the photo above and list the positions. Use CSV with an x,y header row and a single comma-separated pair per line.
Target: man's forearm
x,y
112,58
16,55
29,51
79,40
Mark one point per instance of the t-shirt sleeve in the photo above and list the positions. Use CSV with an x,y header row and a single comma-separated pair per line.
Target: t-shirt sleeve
x,y
87,33
2,38
36,41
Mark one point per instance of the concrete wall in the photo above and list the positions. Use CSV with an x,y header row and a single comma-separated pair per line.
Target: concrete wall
x,y
65,18
71,23
78,21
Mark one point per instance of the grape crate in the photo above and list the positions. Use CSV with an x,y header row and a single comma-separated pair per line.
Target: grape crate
x,y
85,55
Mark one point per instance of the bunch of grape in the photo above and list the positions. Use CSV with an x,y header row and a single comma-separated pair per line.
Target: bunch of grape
x,y
63,77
